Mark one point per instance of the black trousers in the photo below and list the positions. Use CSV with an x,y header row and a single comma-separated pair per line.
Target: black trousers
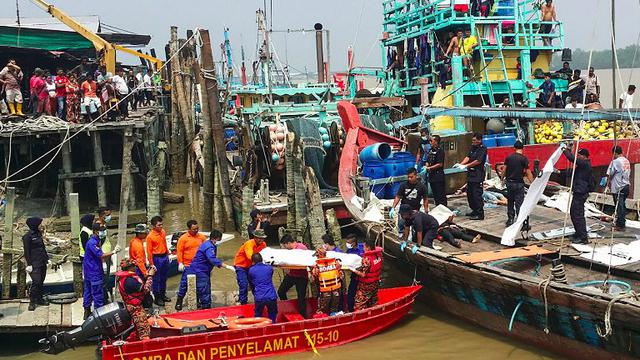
x,y
301,290
515,197
427,237
38,275
450,234
474,197
577,215
123,105
438,191
620,199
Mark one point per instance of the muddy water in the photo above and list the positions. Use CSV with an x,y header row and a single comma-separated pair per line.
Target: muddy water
x,y
425,333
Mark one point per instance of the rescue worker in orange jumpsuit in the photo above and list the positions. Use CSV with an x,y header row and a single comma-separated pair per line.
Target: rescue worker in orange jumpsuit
x,y
136,250
187,246
368,276
158,256
327,273
242,262
133,290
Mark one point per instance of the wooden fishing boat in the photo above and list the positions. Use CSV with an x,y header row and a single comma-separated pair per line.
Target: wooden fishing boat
x,y
566,318
290,334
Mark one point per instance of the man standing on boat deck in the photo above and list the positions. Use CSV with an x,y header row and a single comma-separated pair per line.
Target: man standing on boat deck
x,y
517,167
469,43
133,289
474,164
136,250
368,276
158,256
592,83
454,44
204,260
264,293
294,277
435,168
424,227
242,262
626,99
547,14
583,183
618,180
92,271
187,247
413,193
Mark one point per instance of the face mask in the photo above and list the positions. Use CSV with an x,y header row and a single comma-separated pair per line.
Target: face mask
x,y
325,246
102,234
349,246
107,218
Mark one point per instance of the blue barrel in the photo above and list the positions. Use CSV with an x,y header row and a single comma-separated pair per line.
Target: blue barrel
x,y
505,8
506,139
375,170
489,141
407,158
375,152
230,133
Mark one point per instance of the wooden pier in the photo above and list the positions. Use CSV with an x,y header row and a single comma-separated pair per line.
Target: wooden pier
x,y
54,317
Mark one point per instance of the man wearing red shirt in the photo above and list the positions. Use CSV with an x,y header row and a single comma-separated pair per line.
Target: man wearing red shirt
x,y
90,101
61,93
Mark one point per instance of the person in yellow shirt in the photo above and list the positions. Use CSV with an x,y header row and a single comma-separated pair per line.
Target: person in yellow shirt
x,y
242,262
469,43
188,245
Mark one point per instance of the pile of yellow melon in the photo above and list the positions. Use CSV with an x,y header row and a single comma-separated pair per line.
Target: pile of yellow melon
x,y
547,131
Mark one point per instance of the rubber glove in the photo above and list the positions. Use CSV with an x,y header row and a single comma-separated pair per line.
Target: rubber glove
x,y
415,166
181,267
29,269
392,213
603,181
117,249
423,172
229,267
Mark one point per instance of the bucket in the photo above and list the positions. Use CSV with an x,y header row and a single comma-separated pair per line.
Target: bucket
x,y
375,152
505,139
375,170
489,141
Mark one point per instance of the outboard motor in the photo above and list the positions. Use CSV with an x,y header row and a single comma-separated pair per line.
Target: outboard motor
x,y
110,321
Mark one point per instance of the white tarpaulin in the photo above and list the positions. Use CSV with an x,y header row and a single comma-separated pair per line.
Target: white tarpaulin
x,y
531,199
616,255
441,213
302,258
560,201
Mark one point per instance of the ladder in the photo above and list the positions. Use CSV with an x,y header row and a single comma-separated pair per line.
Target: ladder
x,y
485,71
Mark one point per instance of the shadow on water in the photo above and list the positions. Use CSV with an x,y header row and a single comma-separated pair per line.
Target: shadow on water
x,y
424,333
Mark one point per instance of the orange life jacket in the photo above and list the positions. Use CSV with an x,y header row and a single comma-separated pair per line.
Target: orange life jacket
x,y
375,259
328,274
134,299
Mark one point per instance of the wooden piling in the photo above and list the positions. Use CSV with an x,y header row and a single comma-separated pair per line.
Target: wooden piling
x,y
125,187
68,169
191,298
154,193
101,187
180,90
217,128
300,190
177,143
74,215
21,280
315,215
7,241
291,187
333,226
247,206
207,153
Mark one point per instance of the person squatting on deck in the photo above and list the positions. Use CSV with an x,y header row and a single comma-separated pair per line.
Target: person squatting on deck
x,y
327,274
423,227
92,271
133,290
264,293
618,180
474,164
583,183
158,256
413,193
517,167
294,277
368,276
242,262
35,255
204,260
188,245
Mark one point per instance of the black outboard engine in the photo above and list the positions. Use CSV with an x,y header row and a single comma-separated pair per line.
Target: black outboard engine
x,y
110,321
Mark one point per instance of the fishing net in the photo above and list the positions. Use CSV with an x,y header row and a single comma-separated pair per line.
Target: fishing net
x,y
314,153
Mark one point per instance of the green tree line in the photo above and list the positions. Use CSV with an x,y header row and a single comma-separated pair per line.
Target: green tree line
x,y
628,57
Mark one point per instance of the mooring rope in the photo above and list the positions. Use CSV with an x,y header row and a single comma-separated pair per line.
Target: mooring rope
x,y
608,329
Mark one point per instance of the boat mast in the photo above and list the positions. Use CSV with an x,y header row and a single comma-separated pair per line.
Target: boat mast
x,y
265,55
613,53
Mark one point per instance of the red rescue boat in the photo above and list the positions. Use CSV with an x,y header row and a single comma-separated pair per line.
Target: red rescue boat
x,y
289,335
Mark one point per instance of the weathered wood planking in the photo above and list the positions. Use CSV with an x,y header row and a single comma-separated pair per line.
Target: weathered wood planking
x,y
18,319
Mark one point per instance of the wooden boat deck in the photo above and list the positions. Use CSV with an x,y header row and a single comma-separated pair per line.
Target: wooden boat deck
x,y
17,319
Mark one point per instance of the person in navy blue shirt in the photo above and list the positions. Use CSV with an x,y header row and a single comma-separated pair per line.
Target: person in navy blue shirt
x,y
204,260
264,293
329,243
92,270
353,247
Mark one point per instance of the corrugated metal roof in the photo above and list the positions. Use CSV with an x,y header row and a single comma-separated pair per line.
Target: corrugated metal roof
x,y
91,22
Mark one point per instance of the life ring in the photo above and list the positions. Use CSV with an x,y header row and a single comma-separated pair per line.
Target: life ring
x,y
251,322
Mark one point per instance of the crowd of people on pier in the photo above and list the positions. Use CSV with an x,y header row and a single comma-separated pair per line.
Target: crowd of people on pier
x,y
507,187
76,95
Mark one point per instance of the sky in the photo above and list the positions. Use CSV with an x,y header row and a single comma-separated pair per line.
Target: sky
x,y
350,22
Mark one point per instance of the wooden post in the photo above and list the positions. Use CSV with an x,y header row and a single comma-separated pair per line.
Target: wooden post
x,y
177,135
247,206
180,90
154,193
191,299
21,279
315,214
218,204
291,187
99,166
208,69
124,187
74,215
334,226
7,241
68,168
300,190
207,152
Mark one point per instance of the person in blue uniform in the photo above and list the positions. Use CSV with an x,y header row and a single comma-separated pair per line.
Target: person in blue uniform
x,y
92,271
204,260
264,293
474,164
329,244
35,254
583,184
435,169
353,247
